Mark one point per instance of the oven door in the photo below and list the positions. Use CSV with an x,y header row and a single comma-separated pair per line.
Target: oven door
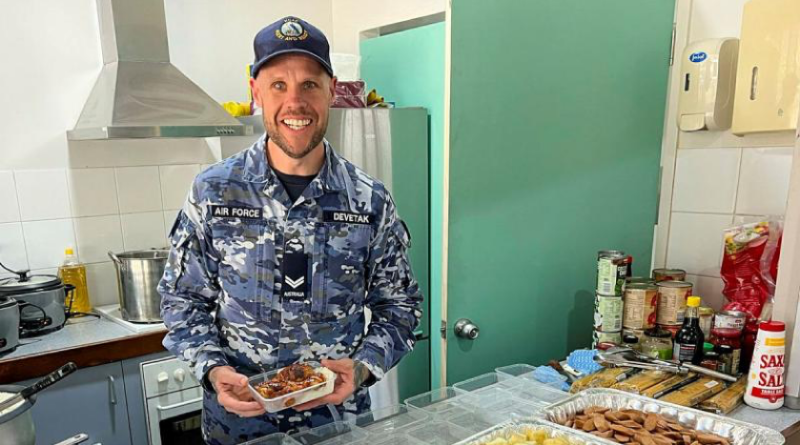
x,y
174,418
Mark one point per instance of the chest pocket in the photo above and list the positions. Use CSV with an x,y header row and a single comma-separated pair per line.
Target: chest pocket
x,y
343,252
247,262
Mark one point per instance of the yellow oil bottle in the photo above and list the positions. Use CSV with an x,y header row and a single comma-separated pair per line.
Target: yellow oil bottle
x,y
74,273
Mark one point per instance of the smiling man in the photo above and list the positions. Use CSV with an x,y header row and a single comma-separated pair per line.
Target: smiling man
x,y
279,250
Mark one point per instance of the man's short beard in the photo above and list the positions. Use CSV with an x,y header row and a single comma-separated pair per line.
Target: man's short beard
x,y
275,136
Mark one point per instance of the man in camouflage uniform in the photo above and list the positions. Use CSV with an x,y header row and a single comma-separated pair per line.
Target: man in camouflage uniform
x,y
279,250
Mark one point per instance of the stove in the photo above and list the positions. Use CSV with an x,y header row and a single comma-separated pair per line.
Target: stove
x,y
113,313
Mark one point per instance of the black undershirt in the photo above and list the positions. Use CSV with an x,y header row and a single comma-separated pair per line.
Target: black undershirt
x,y
294,185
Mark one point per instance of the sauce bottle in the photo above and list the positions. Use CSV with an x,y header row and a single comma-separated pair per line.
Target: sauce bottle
x,y
689,339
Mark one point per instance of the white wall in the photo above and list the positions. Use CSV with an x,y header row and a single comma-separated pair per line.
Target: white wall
x,y
719,179
107,195
351,17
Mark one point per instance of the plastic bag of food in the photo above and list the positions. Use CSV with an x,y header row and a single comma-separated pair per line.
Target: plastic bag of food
x,y
750,265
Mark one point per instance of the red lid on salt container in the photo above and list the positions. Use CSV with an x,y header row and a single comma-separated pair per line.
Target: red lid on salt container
x,y
772,326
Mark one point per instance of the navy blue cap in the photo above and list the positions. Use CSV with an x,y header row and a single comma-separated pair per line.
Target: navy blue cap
x,y
290,35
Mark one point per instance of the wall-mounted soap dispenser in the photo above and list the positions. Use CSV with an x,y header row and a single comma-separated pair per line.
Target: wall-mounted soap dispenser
x,y
708,82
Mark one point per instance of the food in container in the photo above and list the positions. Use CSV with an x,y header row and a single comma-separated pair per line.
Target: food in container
x,y
728,344
291,386
603,379
692,394
671,384
532,431
612,270
641,301
669,275
730,320
636,426
727,400
734,432
689,339
606,337
706,321
642,381
607,313
672,297
657,344
765,385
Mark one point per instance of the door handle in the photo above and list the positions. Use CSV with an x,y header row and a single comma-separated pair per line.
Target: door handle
x,y
466,329
112,390
178,405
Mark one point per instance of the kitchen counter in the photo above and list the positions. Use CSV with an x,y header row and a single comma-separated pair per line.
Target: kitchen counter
x,y
87,341
785,420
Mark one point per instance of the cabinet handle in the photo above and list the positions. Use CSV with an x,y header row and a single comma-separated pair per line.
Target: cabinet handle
x,y
112,390
754,83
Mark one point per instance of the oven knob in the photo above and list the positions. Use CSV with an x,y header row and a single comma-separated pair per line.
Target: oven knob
x,y
180,375
162,377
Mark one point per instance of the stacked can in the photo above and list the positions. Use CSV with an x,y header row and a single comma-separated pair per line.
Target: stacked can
x,y
640,304
612,271
672,297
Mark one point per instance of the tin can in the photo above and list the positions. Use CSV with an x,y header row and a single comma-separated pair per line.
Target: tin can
x,y
730,320
641,301
639,280
607,313
672,328
669,275
612,269
606,337
672,297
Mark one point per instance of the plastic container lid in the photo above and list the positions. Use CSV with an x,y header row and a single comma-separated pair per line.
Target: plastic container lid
x,y
630,339
706,311
772,326
708,347
693,301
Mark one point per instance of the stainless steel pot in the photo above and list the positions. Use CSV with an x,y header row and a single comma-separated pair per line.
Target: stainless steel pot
x,y
16,426
138,274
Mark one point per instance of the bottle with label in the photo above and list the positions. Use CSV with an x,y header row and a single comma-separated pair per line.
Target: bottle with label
x,y
74,273
689,339
765,385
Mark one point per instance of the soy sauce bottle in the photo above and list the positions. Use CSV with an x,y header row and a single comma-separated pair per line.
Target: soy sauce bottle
x,y
689,339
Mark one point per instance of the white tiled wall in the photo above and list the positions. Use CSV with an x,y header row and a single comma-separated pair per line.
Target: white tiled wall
x,y
714,189
94,210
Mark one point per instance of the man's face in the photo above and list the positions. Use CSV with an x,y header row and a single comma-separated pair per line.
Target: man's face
x,y
295,93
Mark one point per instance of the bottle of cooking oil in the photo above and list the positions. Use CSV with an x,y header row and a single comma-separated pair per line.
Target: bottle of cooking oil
x,y
74,273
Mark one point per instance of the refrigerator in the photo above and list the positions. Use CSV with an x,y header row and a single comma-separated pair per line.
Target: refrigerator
x,y
391,145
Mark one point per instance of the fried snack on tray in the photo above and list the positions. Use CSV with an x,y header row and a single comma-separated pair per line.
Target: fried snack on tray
x,y
293,378
630,426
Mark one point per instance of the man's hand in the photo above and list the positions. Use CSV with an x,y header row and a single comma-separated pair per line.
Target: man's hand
x,y
346,384
232,392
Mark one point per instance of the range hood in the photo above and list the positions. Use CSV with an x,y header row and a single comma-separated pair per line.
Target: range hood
x,y
139,93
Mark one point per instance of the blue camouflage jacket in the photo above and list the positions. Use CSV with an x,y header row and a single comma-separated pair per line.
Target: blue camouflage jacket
x,y
257,282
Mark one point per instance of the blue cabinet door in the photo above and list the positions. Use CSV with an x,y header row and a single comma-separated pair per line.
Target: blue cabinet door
x,y
91,401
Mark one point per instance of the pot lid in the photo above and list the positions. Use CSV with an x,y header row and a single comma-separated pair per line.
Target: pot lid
x,y
30,283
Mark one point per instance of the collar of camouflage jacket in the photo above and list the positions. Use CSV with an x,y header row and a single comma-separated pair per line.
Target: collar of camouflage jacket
x,y
332,176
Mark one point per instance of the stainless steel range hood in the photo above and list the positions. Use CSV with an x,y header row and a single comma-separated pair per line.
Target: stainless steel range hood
x,y
139,93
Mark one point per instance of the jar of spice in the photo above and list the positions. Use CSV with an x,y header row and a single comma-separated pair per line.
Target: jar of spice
x,y
706,321
728,344
657,344
630,341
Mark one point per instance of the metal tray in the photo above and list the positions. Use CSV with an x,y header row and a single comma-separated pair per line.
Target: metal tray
x,y
737,432
506,429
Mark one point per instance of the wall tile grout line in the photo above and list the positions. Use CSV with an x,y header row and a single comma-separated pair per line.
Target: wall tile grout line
x,y
738,182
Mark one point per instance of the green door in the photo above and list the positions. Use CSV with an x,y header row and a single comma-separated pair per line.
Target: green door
x,y
407,68
557,108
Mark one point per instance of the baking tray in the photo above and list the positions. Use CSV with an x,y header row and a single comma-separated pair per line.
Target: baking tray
x,y
737,432
506,429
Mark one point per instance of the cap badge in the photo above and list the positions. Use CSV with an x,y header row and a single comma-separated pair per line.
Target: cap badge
x,y
291,30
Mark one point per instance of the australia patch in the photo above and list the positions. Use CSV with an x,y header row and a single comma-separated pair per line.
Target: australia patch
x,y
347,217
221,211
295,272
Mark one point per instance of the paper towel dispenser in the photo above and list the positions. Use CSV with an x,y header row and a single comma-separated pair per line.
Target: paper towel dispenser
x,y
707,84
